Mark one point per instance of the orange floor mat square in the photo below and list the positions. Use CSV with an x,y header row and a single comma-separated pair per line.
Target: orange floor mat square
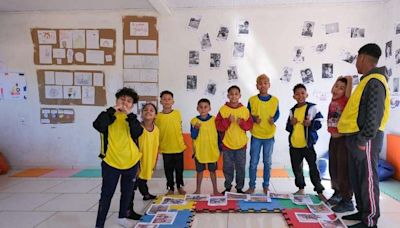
x,y
278,172
35,172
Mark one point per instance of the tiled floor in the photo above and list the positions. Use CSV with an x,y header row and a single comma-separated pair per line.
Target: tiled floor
x,y
73,202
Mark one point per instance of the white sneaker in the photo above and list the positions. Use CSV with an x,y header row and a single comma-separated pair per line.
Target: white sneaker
x,y
124,222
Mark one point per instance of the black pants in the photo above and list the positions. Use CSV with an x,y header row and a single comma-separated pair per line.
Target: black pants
x,y
338,167
173,162
110,177
296,158
363,168
142,185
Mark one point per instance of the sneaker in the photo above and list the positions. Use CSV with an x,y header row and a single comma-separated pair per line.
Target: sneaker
x,y
343,206
149,197
239,191
134,216
226,190
266,190
181,191
299,192
335,199
124,222
249,191
356,216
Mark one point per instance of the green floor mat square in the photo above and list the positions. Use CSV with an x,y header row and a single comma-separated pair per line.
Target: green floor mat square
x,y
391,188
88,173
189,173
288,204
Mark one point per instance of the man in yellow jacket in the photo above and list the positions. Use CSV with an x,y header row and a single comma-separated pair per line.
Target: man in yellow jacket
x,y
363,121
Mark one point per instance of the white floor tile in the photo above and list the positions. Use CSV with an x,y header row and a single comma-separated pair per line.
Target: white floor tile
x,y
22,219
32,186
75,186
4,195
25,201
214,220
139,204
240,220
111,221
388,204
70,219
7,182
70,202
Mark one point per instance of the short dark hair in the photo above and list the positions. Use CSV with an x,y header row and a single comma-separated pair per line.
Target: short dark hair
x,y
151,104
233,87
128,92
342,79
204,100
371,49
299,86
166,92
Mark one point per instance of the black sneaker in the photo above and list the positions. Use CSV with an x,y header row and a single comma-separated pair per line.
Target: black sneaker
x,y
335,199
149,197
240,191
226,190
135,216
356,216
343,206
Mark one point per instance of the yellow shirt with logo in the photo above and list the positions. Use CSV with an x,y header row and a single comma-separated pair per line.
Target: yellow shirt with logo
x,y
298,137
122,152
235,137
206,143
148,146
264,110
171,138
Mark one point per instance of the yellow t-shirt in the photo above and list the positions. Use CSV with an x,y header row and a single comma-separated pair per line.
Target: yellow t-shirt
x,y
206,143
148,146
298,138
264,110
171,138
122,152
235,137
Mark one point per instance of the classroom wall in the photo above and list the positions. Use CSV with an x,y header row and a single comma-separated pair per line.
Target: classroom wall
x,y
274,32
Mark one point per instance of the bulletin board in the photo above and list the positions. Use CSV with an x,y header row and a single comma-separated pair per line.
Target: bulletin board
x,y
140,38
68,87
73,46
57,115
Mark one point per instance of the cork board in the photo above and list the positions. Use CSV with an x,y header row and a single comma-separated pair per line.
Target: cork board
x,y
57,115
73,46
68,87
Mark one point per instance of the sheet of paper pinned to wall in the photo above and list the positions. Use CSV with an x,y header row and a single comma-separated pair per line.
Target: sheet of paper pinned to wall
x,y
98,79
130,46
78,39
147,46
92,39
65,38
107,43
144,89
139,28
108,58
47,36
83,78
45,54
12,86
141,75
141,61
53,92
49,78
64,78
88,94
59,53
72,92
95,56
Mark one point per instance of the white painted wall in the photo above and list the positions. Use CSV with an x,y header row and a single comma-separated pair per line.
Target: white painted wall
x,y
274,33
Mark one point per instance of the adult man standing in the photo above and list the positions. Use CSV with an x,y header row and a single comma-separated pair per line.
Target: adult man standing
x,y
363,121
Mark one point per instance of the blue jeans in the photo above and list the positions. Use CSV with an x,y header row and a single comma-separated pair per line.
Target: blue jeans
x,y
255,148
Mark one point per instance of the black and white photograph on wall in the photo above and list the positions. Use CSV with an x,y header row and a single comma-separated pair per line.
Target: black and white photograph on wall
x,y
232,73
194,22
223,33
191,82
395,102
388,49
396,85
215,60
320,48
331,28
398,28
238,49
308,28
356,32
298,55
307,76
287,74
348,57
397,56
194,58
211,88
389,72
327,70
356,80
243,27
205,42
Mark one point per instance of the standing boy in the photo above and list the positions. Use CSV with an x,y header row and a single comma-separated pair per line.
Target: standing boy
x,y
119,130
303,122
264,110
233,120
205,144
169,121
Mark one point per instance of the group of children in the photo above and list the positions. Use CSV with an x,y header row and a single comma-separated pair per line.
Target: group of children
x,y
130,148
